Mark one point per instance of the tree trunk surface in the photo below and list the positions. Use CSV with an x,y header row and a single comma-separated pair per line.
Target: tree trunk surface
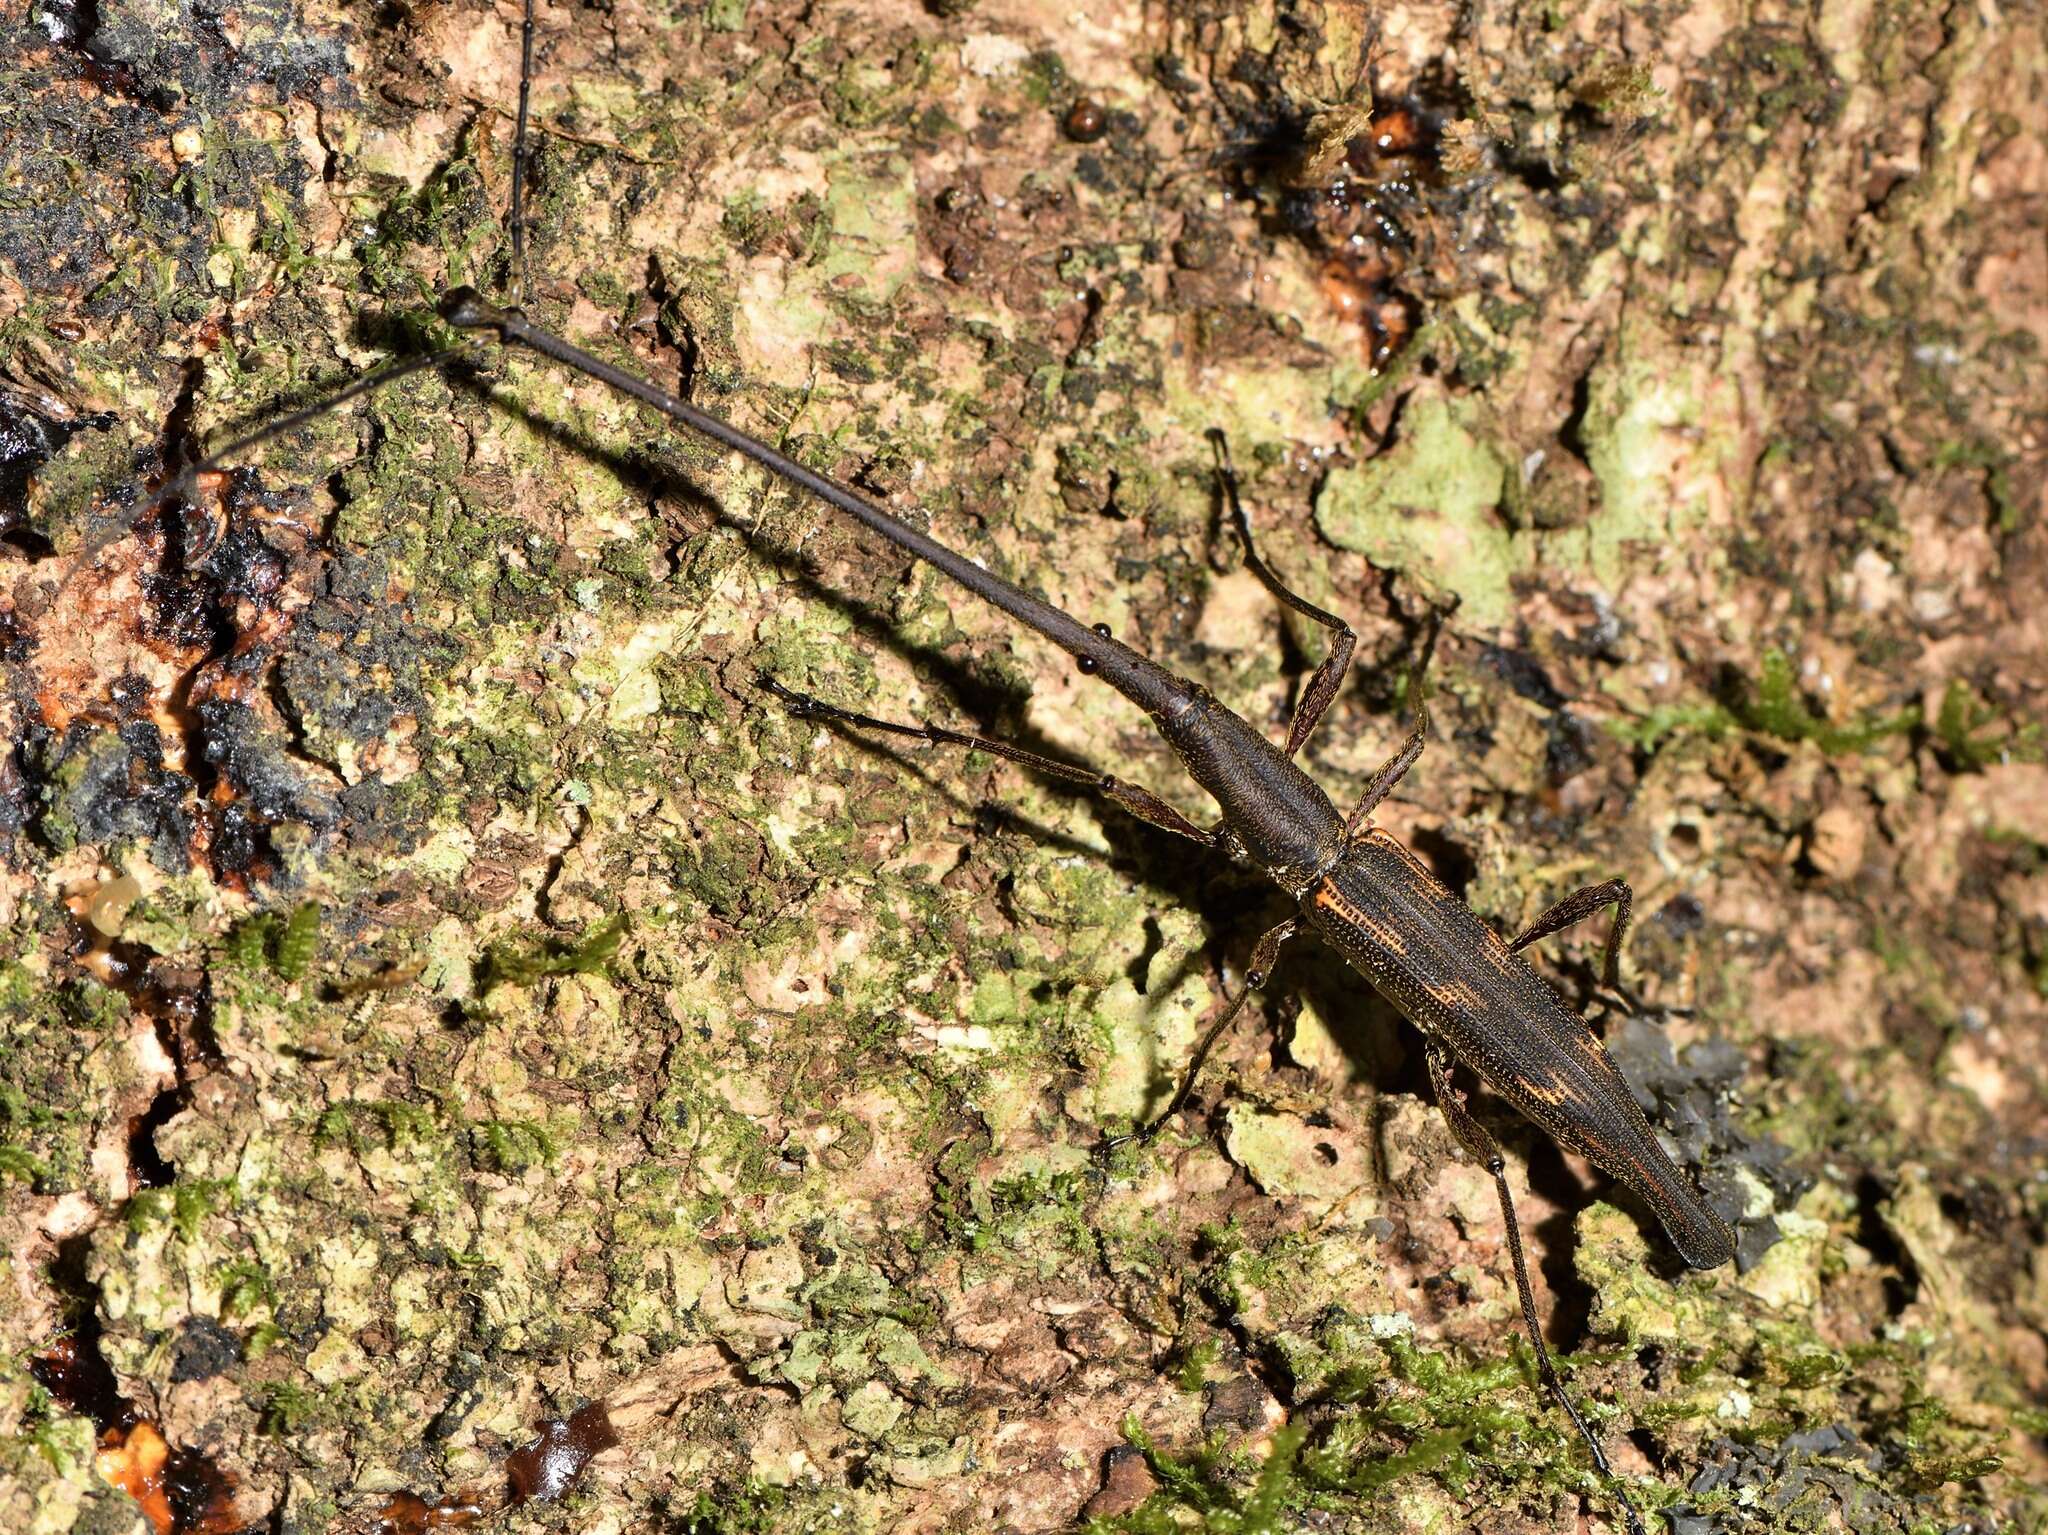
x,y
467,1051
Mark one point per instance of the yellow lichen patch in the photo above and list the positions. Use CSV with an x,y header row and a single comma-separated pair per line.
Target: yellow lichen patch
x,y
1289,1157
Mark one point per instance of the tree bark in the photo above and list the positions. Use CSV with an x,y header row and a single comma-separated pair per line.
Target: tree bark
x,y
442,988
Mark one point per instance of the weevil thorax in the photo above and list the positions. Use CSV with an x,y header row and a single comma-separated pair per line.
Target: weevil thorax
x,y
1274,812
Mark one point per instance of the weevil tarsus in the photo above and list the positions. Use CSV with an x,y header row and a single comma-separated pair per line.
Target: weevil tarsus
x,y
1258,971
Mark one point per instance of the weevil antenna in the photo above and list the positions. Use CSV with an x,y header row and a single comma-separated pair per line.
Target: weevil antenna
x,y
519,156
178,484
369,383
1129,672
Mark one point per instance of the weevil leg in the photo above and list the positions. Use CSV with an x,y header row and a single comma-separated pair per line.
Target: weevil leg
x,y
1579,905
1142,803
1329,676
1396,767
1265,954
1481,1147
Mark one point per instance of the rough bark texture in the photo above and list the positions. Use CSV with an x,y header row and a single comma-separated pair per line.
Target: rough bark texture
x,y
440,988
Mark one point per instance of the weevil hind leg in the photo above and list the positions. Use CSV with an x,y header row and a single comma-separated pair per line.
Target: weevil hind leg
x,y
1480,1145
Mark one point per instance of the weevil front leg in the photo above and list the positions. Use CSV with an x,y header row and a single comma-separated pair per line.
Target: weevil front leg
x,y
1577,906
1142,803
1396,767
1329,676
1480,1146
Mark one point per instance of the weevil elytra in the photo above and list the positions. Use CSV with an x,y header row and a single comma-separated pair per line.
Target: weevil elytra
x,y
1475,1000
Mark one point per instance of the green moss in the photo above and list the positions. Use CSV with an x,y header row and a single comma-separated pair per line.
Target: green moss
x,y
17,985
280,237
749,223
23,1118
1938,1451
23,1165
399,1123
449,214
753,1509
69,503
1045,79
1010,1211
1974,736
297,941
1194,1366
287,1409
284,943
1774,707
511,1146
63,1441
245,1286
60,1061
1409,1412
505,965
1451,1422
1203,1485
883,85
87,1005
1649,731
183,1206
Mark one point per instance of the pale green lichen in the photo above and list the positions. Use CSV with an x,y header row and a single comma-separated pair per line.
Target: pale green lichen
x,y
1427,507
